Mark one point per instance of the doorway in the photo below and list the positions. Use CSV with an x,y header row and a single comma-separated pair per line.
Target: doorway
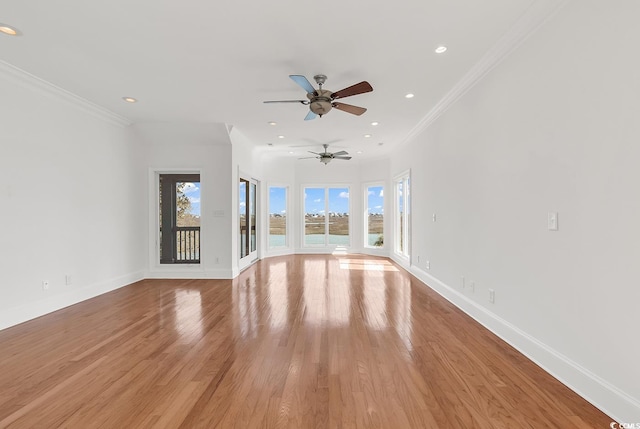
x,y
179,212
248,228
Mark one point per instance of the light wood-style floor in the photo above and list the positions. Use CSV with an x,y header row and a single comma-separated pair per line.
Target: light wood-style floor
x,y
295,342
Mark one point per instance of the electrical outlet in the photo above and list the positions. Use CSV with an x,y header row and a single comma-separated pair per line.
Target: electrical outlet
x,y
217,260
492,296
434,217
428,265
67,279
45,284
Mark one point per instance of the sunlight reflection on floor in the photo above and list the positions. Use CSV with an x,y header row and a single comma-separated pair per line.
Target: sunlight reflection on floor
x,y
367,265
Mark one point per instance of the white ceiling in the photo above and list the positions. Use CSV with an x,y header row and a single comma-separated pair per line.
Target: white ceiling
x,y
216,61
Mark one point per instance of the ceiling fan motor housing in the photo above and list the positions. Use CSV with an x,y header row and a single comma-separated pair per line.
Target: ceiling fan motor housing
x,y
320,101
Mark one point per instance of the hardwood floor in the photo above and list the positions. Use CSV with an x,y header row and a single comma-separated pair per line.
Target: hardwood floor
x,y
302,341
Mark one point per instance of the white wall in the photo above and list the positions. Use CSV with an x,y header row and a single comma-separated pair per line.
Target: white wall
x,y
71,201
190,147
554,127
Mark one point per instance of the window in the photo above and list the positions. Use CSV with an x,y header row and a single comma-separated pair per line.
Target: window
x,y
179,213
314,218
374,216
326,216
277,217
402,207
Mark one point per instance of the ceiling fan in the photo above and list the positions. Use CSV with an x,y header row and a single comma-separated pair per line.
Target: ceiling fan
x,y
326,157
321,101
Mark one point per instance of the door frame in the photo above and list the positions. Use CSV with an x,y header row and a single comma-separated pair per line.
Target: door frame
x,y
253,255
154,222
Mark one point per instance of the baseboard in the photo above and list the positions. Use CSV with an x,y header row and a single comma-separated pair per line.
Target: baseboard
x,y
403,262
284,251
31,310
322,251
192,274
602,394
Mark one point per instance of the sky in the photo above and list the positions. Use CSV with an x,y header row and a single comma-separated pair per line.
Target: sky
x,y
375,200
314,200
277,200
192,191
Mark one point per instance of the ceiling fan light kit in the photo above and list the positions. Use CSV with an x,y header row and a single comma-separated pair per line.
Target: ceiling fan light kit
x,y
321,101
326,156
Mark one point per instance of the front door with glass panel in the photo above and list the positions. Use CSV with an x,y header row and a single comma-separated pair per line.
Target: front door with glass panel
x,y
248,240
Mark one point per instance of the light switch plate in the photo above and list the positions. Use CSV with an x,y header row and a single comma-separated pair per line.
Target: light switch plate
x,y
552,221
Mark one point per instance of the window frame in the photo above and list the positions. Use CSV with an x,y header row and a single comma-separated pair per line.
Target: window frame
x,y
326,188
287,226
365,212
403,233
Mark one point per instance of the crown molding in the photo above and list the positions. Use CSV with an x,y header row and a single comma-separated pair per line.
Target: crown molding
x,y
528,24
27,79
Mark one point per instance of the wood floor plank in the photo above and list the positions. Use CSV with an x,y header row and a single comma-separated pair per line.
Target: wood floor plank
x,y
303,341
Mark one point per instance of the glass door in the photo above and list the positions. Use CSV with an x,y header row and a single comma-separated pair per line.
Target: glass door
x,y
179,217
402,215
248,240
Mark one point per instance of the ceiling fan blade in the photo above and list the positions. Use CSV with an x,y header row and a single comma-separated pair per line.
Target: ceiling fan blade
x,y
342,152
342,157
315,153
287,101
354,110
309,157
310,116
303,82
358,88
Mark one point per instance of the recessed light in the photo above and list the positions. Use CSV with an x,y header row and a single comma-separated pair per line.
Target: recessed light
x,y
130,99
409,95
366,136
280,137
374,123
291,152
272,123
269,144
7,29
380,144
359,151
441,49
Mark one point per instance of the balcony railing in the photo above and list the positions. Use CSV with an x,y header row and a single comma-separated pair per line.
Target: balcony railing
x,y
187,245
